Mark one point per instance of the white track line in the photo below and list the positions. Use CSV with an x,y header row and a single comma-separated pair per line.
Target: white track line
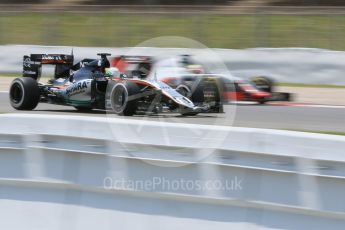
x,y
321,106
291,104
3,91
309,105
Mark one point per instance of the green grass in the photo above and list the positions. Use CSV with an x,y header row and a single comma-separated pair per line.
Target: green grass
x,y
311,85
216,31
10,75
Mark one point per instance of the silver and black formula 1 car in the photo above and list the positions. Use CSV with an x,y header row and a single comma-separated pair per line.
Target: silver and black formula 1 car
x,y
86,86
190,79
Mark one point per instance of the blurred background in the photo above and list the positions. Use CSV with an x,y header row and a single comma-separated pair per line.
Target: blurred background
x,y
215,23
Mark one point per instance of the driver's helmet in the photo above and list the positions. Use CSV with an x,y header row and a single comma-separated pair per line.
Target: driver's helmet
x,y
195,69
186,59
112,72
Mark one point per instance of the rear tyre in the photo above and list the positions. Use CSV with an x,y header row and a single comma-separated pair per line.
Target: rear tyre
x,y
262,101
121,101
24,93
263,83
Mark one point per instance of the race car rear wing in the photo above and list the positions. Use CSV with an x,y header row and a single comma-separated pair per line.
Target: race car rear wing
x,y
32,65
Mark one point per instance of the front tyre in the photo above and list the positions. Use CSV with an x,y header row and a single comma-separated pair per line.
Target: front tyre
x,y
121,101
24,93
262,101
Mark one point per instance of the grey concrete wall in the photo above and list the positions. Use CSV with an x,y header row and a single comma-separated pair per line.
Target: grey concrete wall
x,y
295,65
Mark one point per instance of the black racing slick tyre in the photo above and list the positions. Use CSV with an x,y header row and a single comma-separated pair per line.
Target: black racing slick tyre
x,y
195,95
183,90
121,100
262,101
24,93
263,83
198,95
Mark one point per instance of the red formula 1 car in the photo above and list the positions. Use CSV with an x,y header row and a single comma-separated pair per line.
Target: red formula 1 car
x,y
231,89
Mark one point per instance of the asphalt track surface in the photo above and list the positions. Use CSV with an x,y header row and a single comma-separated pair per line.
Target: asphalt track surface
x,y
255,116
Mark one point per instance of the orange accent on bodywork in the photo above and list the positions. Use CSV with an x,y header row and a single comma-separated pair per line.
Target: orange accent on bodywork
x,y
168,80
260,95
59,87
139,82
48,61
233,96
